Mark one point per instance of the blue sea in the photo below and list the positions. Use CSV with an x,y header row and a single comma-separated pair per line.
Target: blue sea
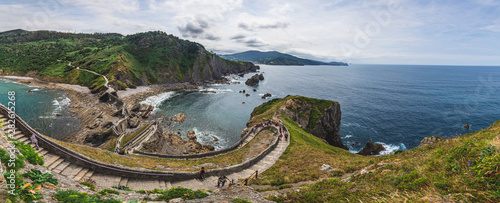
x,y
396,105
40,108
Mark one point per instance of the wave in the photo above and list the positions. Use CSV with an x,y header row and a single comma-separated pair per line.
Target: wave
x,y
207,137
59,104
347,136
391,148
156,100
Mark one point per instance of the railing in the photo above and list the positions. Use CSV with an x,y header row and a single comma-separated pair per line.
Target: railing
x,y
131,142
207,154
80,159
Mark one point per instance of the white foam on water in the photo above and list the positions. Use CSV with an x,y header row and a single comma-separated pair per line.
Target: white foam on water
x,y
36,89
347,136
391,148
59,104
156,100
205,137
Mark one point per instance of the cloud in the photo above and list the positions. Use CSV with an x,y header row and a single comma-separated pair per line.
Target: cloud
x,y
257,26
249,41
212,37
194,28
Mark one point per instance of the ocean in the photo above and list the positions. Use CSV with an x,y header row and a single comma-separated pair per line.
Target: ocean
x,y
395,105
41,108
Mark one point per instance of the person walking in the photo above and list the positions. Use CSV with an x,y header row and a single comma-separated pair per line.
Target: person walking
x,y
34,141
286,137
281,136
202,173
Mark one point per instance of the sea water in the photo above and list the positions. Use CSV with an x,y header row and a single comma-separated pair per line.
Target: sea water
x,y
396,105
43,109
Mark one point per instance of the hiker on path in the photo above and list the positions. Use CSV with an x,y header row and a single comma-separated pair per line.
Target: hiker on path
x,y
202,173
222,180
281,136
286,136
34,141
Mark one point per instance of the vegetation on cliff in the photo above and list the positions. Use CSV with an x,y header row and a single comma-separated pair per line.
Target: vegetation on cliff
x,y
276,58
466,168
127,61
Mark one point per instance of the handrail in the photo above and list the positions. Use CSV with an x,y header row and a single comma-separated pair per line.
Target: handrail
x,y
131,142
207,154
77,156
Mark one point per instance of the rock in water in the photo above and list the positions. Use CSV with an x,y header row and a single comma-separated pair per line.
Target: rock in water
x,y
371,148
261,76
179,118
191,135
254,80
430,140
266,95
466,126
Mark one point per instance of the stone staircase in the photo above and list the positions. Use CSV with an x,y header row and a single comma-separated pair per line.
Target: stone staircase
x,y
60,165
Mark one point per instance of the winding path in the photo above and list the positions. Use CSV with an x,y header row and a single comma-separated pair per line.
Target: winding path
x,y
110,89
70,164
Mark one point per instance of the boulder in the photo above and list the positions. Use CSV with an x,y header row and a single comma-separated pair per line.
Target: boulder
x,y
467,126
191,135
209,147
253,81
247,95
261,76
325,167
430,140
134,122
371,148
179,118
266,95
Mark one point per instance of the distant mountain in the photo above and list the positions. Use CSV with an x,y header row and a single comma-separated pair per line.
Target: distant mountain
x,y
275,58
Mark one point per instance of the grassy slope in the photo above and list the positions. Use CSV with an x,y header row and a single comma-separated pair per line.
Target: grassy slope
x,y
465,168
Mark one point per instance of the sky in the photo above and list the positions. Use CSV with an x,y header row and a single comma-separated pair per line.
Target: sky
x,y
426,32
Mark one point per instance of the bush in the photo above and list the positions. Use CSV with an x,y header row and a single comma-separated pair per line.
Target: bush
x,y
30,154
239,200
108,191
18,163
185,193
90,185
39,178
77,197
285,186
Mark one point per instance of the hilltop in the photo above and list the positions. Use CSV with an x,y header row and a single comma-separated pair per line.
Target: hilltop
x,y
276,58
127,61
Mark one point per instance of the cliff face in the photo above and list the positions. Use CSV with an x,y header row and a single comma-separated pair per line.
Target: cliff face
x,y
319,117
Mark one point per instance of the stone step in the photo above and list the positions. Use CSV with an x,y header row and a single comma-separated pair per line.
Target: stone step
x,y
80,174
146,184
107,181
56,163
75,172
123,181
43,152
88,175
17,137
168,185
61,167
68,170
50,158
23,139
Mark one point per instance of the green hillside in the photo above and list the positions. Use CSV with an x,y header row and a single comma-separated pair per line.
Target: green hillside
x,y
127,61
463,169
275,58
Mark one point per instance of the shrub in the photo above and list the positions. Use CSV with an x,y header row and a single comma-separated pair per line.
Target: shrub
x,y
239,200
285,186
30,154
278,181
90,185
185,193
39,178
75,196
108,191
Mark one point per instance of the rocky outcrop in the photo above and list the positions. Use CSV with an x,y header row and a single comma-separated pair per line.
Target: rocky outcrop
x,y
173,144
179,118
266,95
254,80
191,135
322,121
371,148
430,140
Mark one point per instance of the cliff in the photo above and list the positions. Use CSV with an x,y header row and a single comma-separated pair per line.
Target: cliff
x,y
127,61
276,58
319,117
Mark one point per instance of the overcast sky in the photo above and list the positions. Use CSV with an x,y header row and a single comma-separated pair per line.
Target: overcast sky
x,y
377,32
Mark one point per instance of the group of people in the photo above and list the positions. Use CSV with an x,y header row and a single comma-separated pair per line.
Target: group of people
x,y
220,181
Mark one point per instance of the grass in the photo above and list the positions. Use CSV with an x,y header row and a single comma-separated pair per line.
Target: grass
x,y
126,138
461,169
231,158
